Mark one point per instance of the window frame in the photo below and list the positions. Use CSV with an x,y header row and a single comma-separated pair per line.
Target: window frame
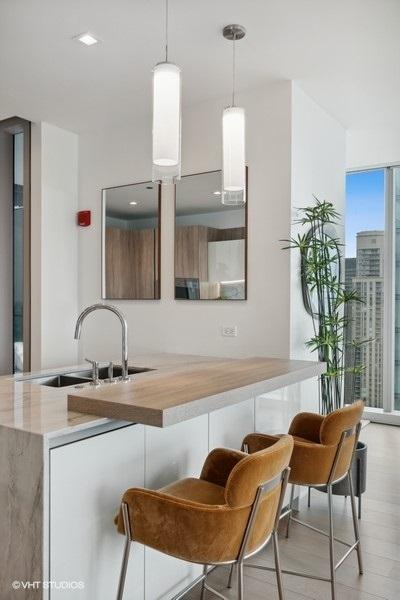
x,y
12,126
387,414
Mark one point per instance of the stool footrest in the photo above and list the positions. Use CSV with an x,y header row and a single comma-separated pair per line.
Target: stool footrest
x,y
321,531
351,548
189,587
211,589
287,572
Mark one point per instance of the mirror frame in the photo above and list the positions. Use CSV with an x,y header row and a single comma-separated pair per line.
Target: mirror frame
x,y
246,251
157,284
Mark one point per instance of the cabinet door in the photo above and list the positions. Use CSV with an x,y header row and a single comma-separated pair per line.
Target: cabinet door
x,y
191,252
172,453
87,480
130,261
275,410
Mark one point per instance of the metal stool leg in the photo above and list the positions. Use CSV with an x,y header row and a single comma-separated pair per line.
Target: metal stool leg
x,y
231,576
290,510
240,580
309,498
203,585
355,524
124,567
278,565
331,544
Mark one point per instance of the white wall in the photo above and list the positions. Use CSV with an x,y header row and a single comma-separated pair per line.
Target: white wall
x,y
118,157
372,147
54,246
294,150
318,168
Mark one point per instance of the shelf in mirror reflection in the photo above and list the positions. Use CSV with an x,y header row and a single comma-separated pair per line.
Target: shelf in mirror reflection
x,y
210,242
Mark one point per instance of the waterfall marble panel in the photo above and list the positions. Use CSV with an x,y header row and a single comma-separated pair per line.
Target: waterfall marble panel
x,y
22,499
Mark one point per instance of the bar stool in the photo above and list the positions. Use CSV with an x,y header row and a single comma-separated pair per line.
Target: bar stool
x,y
322,455
225,516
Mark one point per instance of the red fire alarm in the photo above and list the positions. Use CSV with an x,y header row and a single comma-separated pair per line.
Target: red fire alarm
x,y
84,218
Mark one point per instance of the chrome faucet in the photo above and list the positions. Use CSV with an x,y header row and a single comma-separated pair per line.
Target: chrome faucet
x,y
124,325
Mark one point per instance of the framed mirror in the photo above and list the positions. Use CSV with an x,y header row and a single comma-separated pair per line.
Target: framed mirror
x,y
131,247
210,241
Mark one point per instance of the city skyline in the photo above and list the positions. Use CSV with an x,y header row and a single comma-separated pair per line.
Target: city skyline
x,y
364,252
365,275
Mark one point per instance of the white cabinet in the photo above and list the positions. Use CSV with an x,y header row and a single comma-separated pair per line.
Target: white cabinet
x,y
87,480
275,410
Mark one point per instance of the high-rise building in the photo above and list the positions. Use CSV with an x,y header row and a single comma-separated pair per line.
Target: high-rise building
x,y
367,317
350,273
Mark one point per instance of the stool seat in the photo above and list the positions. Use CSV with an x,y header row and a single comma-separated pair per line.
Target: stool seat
x,y
196,490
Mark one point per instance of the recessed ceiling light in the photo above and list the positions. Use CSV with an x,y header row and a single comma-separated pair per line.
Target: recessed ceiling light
x,y
133,203
217,193
86,38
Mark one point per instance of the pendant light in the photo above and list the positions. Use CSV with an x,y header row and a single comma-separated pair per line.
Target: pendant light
x,y
233,136
166,117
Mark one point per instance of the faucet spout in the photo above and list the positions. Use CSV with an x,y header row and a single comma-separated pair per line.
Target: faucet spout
x,y
124,327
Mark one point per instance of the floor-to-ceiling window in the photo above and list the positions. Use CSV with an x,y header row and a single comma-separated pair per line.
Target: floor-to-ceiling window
x,y
364,272
396,194
372,267
18,251
14,245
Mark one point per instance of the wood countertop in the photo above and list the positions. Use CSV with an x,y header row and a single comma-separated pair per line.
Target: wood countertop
x,y
167,396
46,411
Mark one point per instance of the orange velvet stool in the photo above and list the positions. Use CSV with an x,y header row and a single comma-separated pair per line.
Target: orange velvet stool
x,y
230,512
322,455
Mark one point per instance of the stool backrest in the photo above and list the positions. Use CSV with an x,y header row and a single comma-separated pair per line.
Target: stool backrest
x,y
254,470
339,421
255,483
339,428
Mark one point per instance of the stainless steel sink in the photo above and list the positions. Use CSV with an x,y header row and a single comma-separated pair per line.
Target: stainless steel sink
x,y
103,372
59,380
117,371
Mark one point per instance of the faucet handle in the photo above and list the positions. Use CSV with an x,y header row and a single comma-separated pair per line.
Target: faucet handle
x,y
111,372
95,371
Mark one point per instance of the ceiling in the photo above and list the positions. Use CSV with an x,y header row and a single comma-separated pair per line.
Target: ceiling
x,y
194,195
144,194
344,54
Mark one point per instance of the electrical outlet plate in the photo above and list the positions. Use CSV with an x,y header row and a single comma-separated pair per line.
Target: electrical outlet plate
x,y
229,331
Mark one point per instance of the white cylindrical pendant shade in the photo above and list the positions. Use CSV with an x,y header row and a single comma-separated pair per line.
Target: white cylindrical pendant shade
x,y
234,156
166,122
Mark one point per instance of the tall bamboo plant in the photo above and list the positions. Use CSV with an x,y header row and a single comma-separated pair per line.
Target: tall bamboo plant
x,y
328,299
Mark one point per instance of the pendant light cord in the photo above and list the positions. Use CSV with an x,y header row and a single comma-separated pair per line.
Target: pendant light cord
x,y
233,69
166,30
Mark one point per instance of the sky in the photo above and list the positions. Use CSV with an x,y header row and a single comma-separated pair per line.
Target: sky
x,y
365,205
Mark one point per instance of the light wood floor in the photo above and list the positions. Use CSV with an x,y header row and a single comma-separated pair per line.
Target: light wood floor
x,y
306,550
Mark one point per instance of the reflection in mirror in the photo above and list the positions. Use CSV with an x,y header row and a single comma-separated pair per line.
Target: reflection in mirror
x,y
131,242
210,241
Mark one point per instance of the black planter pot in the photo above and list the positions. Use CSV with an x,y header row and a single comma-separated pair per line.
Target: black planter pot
x,y
359,477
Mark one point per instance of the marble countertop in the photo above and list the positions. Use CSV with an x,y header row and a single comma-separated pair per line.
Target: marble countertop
x,y
37,409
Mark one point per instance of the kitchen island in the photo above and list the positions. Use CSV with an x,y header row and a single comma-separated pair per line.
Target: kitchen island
x,y
63,472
